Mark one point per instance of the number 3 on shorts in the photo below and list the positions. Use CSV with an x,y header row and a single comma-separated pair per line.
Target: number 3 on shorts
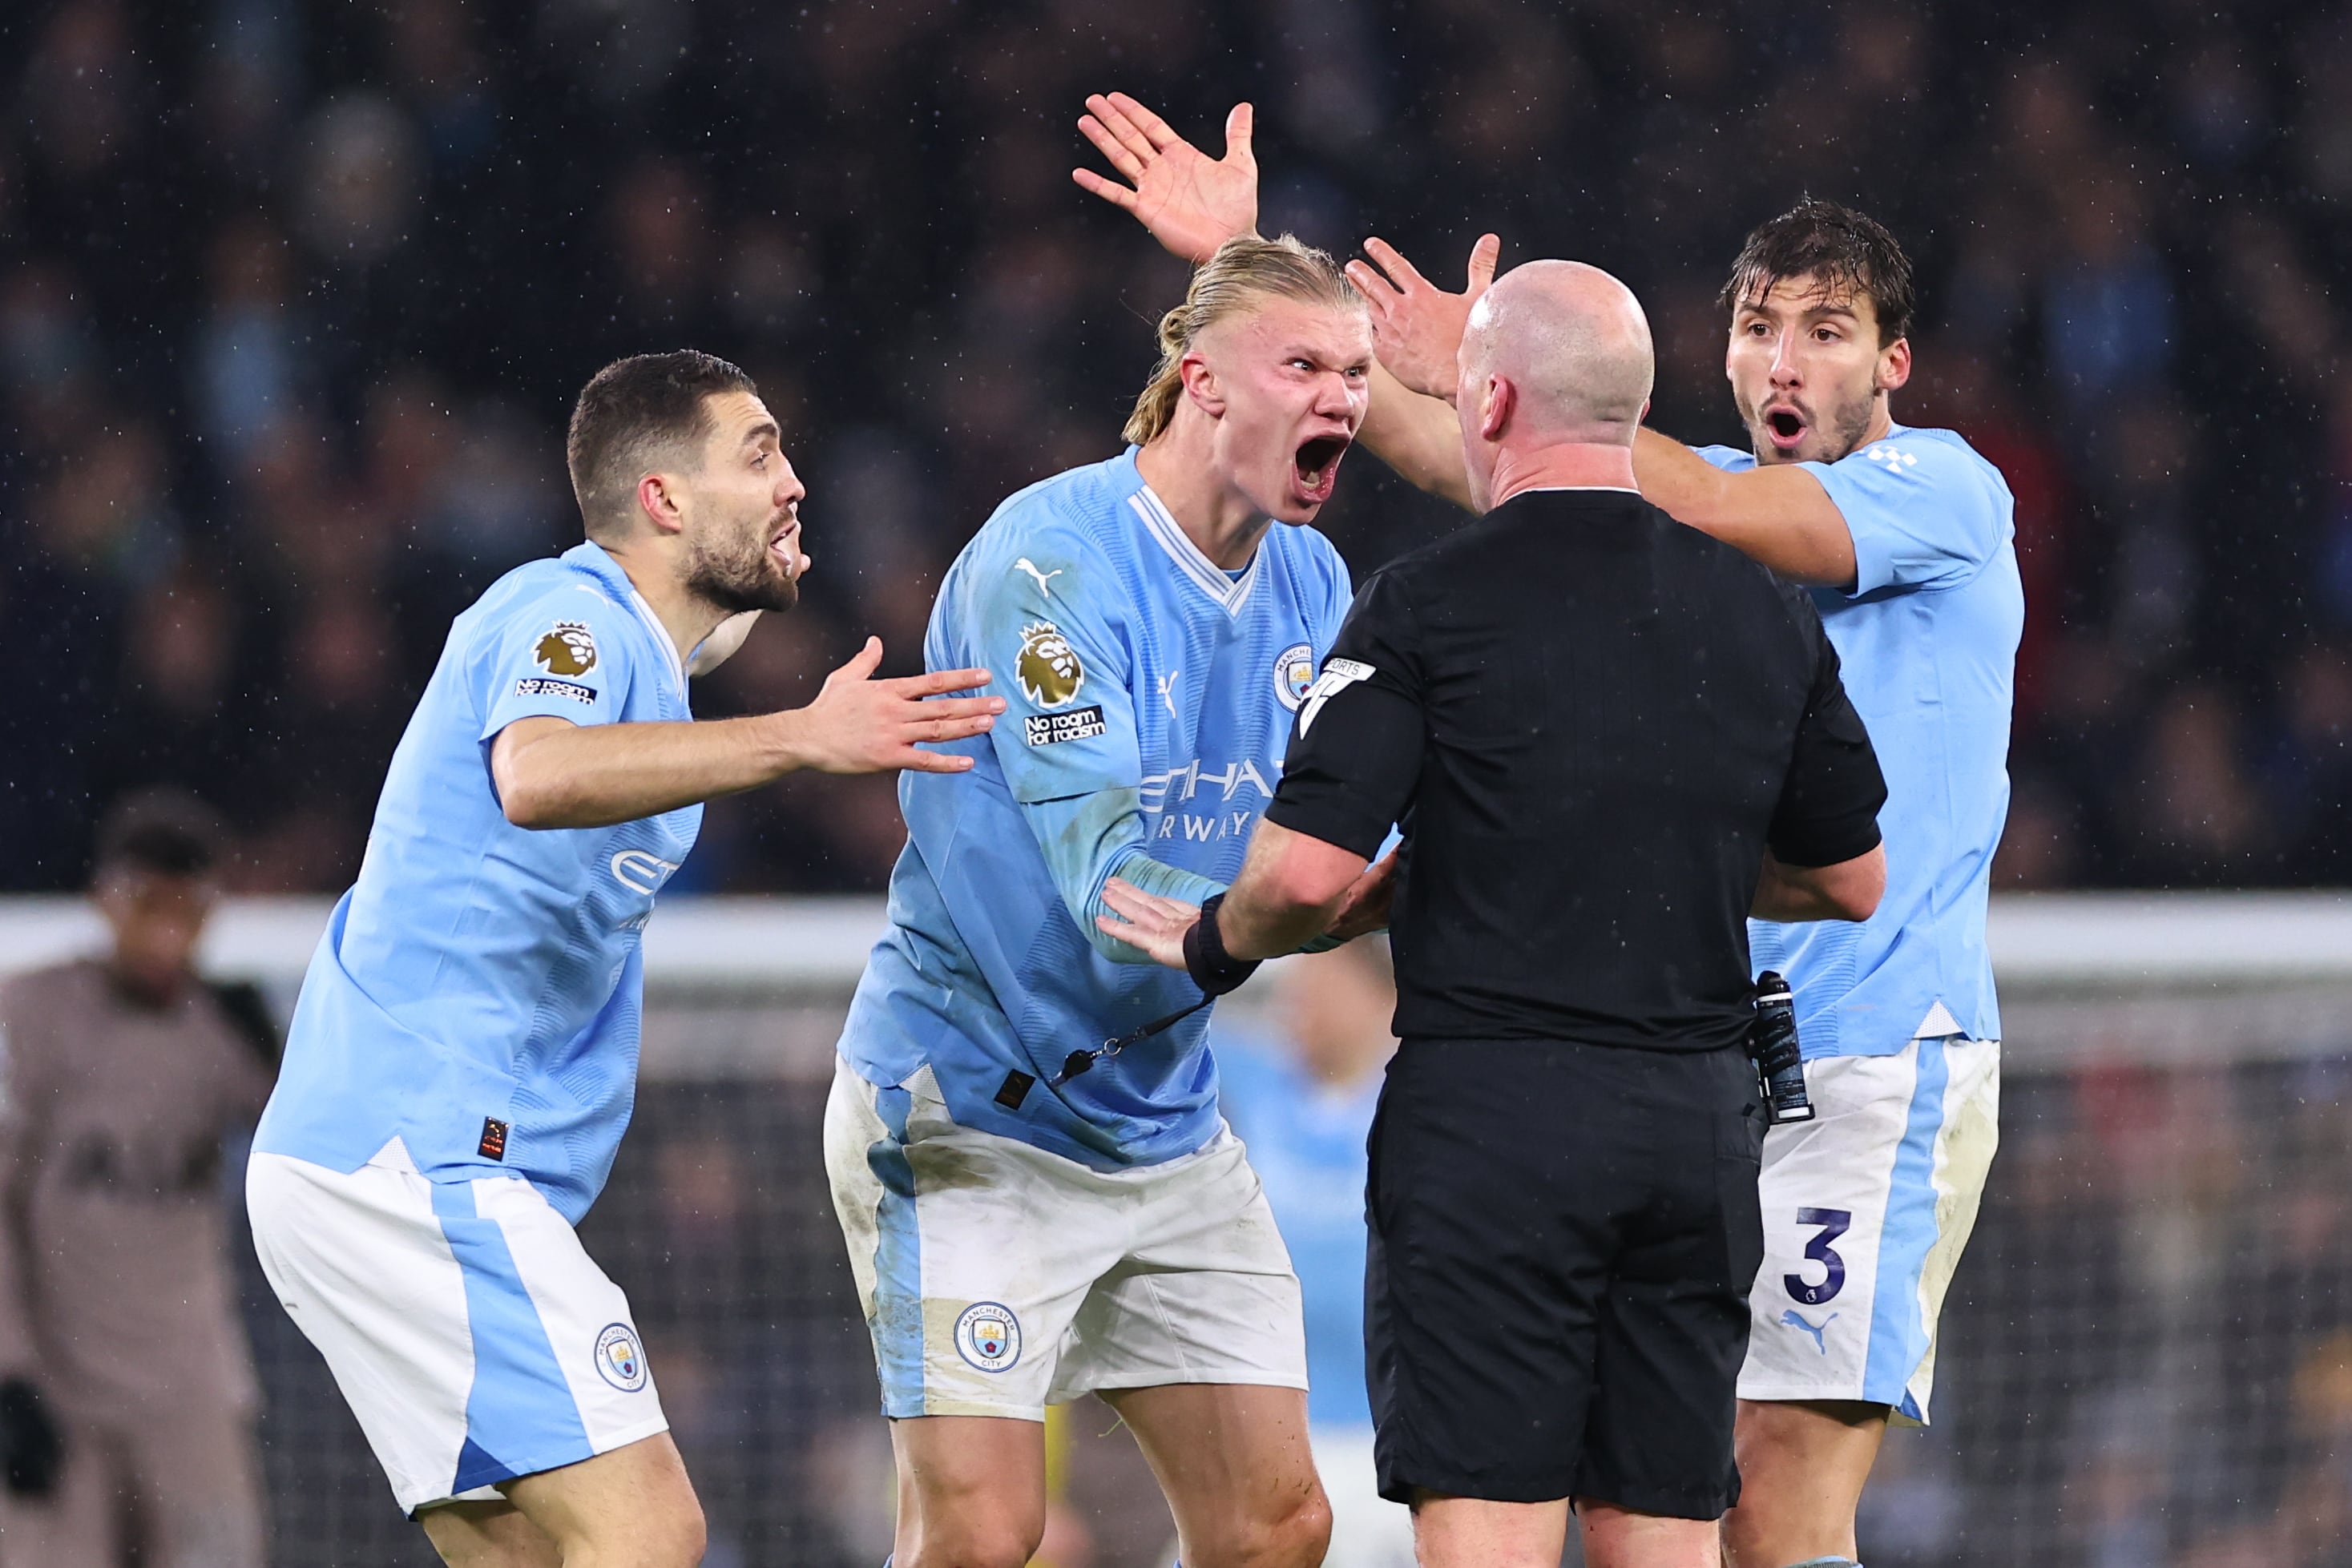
x,y
1834,1223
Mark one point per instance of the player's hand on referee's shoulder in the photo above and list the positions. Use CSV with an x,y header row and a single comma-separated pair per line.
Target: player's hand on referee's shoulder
x,y
1191,203
860,725
1154,923
1417,327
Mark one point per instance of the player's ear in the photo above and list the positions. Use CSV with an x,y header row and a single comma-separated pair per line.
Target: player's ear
x,y
1201,383
1894,365
657,500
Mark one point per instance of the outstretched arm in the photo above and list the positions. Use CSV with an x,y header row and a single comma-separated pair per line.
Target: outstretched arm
x,y
1778,515
1292,888
552,773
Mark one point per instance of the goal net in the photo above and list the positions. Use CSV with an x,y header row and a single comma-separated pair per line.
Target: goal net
x,y
2146,1356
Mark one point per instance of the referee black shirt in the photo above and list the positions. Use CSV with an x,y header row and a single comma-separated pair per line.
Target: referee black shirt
x,y
1590,721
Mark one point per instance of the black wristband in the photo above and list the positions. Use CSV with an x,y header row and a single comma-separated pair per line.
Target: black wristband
x,y
1213,969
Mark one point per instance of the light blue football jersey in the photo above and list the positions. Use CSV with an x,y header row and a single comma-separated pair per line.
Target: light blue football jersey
x,y
1150,699
1927,636
1308,1142
479,972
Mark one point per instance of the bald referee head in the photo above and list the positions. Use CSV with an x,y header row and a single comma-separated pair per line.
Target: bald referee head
x,y
1554,376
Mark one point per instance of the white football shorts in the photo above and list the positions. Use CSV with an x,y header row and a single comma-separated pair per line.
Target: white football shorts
x,y
464,1323
997,1278
1866,1209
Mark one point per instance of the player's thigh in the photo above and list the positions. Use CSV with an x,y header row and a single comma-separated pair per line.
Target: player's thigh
x,y
1237,1470
972,1253
971,1491
493,1535
631,1505
472,1336
197,1473
1866,1212
80,1523
1205,1294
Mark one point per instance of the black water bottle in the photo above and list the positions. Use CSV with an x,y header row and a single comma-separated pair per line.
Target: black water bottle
x,y
1772,1043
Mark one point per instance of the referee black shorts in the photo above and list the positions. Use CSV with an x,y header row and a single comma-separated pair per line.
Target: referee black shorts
x,y
1562,1240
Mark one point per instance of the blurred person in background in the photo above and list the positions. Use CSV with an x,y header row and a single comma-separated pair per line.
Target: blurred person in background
x,y
1302,1103
127,1393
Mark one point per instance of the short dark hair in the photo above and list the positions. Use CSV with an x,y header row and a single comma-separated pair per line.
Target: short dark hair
x,y
628,413
163,833
1840,248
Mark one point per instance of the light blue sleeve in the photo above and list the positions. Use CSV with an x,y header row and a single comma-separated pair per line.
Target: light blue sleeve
x,y
563,653
1088,839
1049,618
1924,513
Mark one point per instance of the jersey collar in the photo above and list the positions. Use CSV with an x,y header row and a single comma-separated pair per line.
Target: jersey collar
x,y
1231,593
591,558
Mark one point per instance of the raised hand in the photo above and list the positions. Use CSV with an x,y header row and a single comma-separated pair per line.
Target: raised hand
x,y
1416,326
1190,203
859,725
1153,924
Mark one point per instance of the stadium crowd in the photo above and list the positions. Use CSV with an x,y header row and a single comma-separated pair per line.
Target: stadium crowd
x,y
292,299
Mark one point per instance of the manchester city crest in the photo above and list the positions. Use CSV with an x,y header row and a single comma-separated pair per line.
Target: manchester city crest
x,y
1294,672
988,1336
620,1359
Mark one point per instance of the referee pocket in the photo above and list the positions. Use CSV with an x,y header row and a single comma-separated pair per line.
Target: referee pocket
x,y
1372,1161
1738,1172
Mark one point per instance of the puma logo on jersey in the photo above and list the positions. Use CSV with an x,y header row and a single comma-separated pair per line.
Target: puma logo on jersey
x,y
1820,1342
1045,584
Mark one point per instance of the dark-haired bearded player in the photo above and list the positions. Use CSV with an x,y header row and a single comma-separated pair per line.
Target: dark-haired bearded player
x,y
1904,537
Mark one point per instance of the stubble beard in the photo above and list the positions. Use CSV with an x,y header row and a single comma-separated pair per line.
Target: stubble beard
x,y
741,576
1841,431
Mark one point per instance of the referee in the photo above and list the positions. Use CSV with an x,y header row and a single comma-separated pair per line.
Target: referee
x,y
1609,739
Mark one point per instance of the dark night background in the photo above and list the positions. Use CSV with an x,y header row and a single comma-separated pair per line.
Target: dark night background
x,y
294,300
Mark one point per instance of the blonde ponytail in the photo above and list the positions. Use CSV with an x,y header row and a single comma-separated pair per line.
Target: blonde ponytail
x,y
1242,268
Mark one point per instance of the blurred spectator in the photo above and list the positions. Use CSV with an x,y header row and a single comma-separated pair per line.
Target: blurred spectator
x,y
1304,1104
2310,766
127,1394
2199,820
